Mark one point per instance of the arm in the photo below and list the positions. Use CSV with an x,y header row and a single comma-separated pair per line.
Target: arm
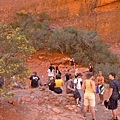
x,y
30,78
97,81
62,83
83,86
110,93
70,88
102,80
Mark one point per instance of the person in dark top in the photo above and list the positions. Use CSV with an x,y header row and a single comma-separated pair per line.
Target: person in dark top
x,y
72,62
71,90
1,81
35,80
67,75
113,95
51,84
58,71
91,68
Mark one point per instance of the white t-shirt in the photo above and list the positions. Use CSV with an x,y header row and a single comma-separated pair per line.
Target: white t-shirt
x,y
51,73
78,82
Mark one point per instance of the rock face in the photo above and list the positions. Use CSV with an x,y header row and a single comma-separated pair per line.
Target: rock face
x,y
100,15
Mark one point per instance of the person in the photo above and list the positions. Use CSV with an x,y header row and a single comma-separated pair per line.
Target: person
x,y
100,86
58,84
35,80
58,71
91,69
51,84
78,84
71,90
50,72
2,81
113,95
67,75
88,87
72,62
76,72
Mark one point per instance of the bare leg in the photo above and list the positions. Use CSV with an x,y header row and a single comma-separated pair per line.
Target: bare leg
x,y
77,100
114,113
85,110
101,98
93,112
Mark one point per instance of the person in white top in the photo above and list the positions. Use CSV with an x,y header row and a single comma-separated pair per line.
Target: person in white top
x,y
50,71
78,84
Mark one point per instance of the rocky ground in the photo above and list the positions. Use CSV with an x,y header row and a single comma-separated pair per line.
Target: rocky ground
x,y
42,104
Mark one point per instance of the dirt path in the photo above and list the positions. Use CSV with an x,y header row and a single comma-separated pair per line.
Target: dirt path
x,y
40,63
101,112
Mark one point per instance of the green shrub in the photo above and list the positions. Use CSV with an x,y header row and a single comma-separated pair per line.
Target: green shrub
x,y
35,27
84,46
13,54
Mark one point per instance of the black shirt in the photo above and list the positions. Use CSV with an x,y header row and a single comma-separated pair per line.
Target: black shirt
x,y
34,80
114,84
67,75
51,86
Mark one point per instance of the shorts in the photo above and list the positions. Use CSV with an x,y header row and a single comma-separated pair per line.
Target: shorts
x,y
113,104
76,94
89,100
101,89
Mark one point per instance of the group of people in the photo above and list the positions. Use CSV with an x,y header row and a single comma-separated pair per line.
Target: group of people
x,y
54,81
84,90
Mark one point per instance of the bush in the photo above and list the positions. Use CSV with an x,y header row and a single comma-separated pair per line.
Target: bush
x,y
35,27
13,54
84,46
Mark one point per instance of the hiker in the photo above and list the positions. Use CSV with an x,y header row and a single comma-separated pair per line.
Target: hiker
x,y
88,87
58,84
58,71
91,69
67,75
76,72
71,90
114,87
35,80
50,72
100,87
2,81
72,62
51,84
78,84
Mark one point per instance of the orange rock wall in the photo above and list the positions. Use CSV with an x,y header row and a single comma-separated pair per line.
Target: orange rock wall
x,y
100,15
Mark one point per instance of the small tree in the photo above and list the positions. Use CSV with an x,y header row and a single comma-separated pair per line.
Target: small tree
x,y
13,50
